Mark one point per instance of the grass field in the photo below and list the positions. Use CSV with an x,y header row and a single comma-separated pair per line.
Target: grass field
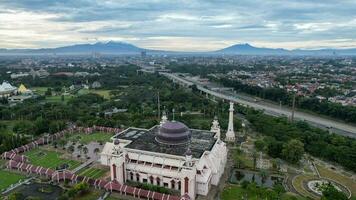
x,y
298,184
235,192
8,178
91,195
49,159
111,197
58,99
246,160
92,172
39,90
94,137
324,172
103,93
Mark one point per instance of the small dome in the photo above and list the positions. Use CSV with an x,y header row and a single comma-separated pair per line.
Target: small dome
x,y
116,142
173,133
188,152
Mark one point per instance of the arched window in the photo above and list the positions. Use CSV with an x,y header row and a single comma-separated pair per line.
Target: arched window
x,y
138,177
173,184
158,181
179,185
151,179
131,176
186,185
114,171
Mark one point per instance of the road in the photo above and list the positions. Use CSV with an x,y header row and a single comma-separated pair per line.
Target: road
x,y
270,108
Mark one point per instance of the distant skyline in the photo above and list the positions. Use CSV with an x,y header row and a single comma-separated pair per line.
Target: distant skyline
x,y
179,25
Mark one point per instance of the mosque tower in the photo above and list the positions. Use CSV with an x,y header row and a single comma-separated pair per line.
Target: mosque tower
x,y
215,127
230,135
164,118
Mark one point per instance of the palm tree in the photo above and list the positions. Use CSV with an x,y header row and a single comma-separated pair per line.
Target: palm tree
x,y
96,151
80,147
254,156
264,175
278,163
71,150
85,150
62,143
54,144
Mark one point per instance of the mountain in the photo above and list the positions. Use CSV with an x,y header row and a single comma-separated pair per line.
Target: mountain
x,y
247,49
100,47
126,48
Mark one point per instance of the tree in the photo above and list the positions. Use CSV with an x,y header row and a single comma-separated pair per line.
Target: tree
x,y
16,196
259,144
96,151
62,143
293,151
254,156
54,144
331,193
48,92
264,175
71,149
85,150
279,189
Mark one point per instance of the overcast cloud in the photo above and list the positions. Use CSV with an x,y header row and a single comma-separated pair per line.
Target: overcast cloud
x,y
184,25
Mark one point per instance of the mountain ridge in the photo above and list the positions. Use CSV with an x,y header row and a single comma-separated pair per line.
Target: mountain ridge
x,y
113,47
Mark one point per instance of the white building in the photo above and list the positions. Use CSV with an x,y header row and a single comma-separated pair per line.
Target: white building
x,y
6,89
169,155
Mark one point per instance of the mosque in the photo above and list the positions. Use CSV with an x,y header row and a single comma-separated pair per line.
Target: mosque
x,y
170,155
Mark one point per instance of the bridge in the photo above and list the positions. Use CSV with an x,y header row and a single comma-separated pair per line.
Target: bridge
x,y
268,108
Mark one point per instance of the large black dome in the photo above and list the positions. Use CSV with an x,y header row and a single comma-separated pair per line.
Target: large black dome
x,y
173,133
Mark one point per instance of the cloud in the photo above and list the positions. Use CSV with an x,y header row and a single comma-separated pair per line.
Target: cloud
x,y
178,24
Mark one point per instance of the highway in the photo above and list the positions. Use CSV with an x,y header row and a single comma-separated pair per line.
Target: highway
x,y
270,108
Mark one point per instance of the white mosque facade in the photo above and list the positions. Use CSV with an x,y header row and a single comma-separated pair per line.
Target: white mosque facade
x,y
169,155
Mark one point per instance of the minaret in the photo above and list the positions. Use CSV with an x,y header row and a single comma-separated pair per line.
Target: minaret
x,y
215,127
243,128
230,135
164,118
188,157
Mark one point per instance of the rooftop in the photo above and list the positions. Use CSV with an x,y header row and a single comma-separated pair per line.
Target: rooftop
x,y
143,139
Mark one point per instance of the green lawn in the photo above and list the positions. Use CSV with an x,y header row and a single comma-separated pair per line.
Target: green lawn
x,y
58,99
103,93
9,178
111,197
324,172
235,192
9,125
39,90
92,172
49,159
246,161
298,184
94,137
91,195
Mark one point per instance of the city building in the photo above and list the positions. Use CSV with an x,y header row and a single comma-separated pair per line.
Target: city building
x,y
6,89
170,155
23,90
19,75
96,85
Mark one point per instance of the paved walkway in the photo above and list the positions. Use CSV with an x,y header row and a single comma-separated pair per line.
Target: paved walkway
x,y
83,165
104,196
14,186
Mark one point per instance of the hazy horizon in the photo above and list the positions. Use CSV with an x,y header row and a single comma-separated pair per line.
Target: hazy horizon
x,y
179,25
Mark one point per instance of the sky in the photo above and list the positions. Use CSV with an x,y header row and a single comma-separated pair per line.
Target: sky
x,y
180,25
